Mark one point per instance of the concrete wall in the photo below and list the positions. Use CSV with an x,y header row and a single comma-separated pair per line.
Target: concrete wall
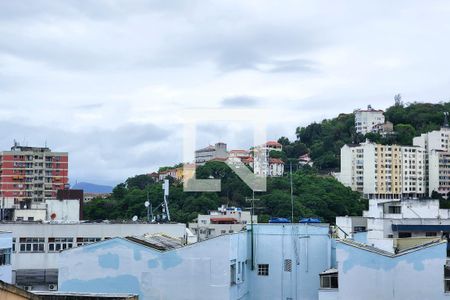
x,y
49,260
345,176
198,271
26,214
371,276
309,248
64,210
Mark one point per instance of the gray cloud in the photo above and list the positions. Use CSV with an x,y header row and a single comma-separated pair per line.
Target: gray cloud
x,y
100,155
240,101
106,79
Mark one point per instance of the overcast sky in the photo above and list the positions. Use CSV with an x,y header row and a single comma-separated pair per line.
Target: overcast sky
x,y
110,81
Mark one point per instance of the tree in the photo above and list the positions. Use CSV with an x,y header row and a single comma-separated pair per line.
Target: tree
x,y
405,133
139,181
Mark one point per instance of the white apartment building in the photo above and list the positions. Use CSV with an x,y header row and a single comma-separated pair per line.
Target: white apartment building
x,y
222,221
261,159
436,144
397,224
50,210
219,150
383,171
366,120
276,167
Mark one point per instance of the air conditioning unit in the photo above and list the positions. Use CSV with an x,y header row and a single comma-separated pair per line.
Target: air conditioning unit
x,y
52,287
27,287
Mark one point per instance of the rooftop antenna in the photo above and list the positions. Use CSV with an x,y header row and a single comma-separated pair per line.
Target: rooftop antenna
x,y
166,196
446,119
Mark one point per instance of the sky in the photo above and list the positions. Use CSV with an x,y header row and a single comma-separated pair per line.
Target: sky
x,y
114,82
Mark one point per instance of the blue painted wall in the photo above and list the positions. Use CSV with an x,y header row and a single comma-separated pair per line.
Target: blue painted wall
x,y
371,276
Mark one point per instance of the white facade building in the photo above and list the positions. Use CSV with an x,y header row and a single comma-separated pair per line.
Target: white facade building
x,y
436,144
261,159
223,221
388,222
366,120
383,171
50,210
36,245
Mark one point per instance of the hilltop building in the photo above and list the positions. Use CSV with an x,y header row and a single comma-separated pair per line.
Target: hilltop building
x,y
219,150
368,120
263,164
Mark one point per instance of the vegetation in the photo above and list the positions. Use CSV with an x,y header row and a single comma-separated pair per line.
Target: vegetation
x,y
314,196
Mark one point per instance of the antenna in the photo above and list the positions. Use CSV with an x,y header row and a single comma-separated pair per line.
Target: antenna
x,y
166,196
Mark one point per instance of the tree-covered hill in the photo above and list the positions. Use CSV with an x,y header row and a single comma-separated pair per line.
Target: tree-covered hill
x,y
324,140
314,196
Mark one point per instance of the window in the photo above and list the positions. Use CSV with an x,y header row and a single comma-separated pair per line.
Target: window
x,y
58,244
359,228
263,269
404,234
288,265
233,273
329,281
14,245
5,256
84,241
430,233
28,244
446,279
395,209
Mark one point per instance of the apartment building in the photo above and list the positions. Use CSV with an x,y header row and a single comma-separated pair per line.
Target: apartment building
x,y
224,220
436,144
383,171
366,120
32,174
261,160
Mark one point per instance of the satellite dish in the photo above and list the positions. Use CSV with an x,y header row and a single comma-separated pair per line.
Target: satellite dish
x,y
135,218
147,204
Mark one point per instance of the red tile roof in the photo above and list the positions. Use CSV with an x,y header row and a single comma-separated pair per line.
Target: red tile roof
x,y
273,143
276,161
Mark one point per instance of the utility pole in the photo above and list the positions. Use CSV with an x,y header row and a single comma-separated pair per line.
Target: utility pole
x,y
292,192
252,213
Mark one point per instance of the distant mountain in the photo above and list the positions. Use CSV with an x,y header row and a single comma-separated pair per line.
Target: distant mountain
x,y
93,188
